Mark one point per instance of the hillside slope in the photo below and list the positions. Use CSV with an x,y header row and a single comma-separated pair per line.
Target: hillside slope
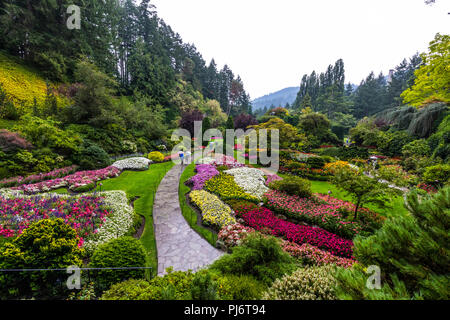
x,y
23,83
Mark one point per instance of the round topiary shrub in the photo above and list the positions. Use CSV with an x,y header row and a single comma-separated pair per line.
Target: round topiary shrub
x,y
294,186
156,156
310,283
120,252
45,244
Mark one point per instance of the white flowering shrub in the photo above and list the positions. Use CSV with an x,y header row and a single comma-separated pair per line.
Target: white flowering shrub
x,y
250,179
116,224
137,163
309,283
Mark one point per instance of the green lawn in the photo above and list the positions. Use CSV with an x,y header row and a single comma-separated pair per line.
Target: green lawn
x,y
189,213
142,184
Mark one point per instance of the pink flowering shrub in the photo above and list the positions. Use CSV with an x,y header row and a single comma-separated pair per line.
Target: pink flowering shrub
x,y
233,235
223,160
85,213
74,180
311,211
272,177
312,255
204,173
264,219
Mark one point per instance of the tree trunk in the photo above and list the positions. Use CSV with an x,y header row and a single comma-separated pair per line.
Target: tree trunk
x,y
355,216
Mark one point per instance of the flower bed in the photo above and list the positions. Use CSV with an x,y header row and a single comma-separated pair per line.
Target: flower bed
x,y
313,255
84,214
224,186
264,219
311,211
75,180
137,163
57,173
96,218
204,173
118,223
249,179
233,235
214,212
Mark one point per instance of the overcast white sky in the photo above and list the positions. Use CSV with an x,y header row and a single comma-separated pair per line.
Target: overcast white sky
x,y
271,44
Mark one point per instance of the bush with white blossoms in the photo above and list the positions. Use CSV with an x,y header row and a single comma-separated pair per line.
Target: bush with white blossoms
x,y
137,163
250,179
116,224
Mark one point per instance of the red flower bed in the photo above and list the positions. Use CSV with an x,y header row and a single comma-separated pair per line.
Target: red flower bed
x,y
264,219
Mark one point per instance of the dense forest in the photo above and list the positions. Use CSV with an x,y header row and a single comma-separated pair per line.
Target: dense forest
x,y
114,86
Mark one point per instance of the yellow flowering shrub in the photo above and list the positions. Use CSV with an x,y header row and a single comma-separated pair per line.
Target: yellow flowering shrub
x,y
22,84
226,187
333,166
214,211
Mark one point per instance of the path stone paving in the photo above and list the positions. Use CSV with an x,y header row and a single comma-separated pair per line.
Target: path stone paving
x,y
178,245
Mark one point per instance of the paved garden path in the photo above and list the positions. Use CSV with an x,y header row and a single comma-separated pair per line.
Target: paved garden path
x,y
178,245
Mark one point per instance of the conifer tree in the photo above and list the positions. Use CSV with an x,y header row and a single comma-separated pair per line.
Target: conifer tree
x,y
412,252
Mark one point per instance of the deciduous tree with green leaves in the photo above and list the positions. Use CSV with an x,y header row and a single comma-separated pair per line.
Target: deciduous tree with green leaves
x,y
432,81
362,188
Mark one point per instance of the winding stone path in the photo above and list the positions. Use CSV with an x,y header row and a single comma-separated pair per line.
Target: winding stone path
x,y
178,245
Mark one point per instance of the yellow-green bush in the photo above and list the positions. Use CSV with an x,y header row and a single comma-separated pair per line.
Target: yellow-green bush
x,y
156,156
227,189
22,84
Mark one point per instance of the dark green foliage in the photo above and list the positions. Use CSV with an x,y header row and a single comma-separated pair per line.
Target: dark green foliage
x,y
45,244
418,122
394,142
346,153
293,185
440,141
8,110
258,256
120,252
315,162
412,252
203,287
91,156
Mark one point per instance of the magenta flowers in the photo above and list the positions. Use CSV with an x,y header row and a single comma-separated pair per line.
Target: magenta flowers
x,y
85,213
204,173
264,219
313,211
57,173
75,180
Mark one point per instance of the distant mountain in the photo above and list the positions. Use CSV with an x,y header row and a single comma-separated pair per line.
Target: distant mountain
x,y
279,98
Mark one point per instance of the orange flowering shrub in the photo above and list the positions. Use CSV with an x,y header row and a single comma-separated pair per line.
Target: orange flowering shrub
x,y
333,166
